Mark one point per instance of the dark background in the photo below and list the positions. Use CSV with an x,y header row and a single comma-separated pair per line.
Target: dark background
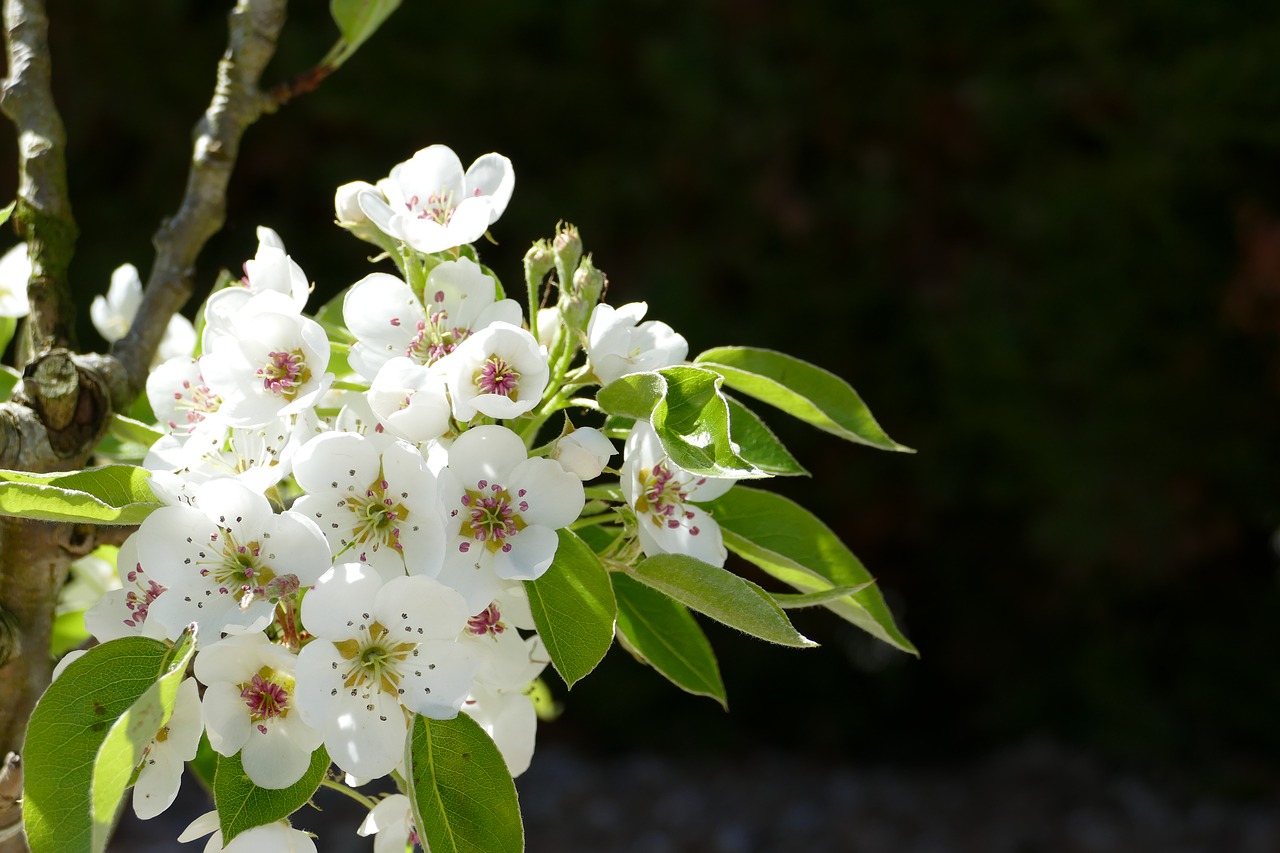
x,y
1040,239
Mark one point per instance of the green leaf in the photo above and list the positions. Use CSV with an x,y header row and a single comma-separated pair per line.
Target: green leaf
x,y
687,411
464,800
112,494
8,325
243,805
796,601
356,20
788,542
800,389
7,211
758,445
663,634
122,748
722,595
573,609
67,727
128,429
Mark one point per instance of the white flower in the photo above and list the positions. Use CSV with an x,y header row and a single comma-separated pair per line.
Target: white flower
x,y
260,457
123,612
392,820
179,396
268,364
430,204
15,274
175,744
276,837
661,493
375,503
112,315
410,400
499,371
508,716
227,559
250,707
503,512
388,320
381,652
91,577
616,345
583,452
270,271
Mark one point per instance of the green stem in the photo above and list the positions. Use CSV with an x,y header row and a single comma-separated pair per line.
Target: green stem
x,y
355,795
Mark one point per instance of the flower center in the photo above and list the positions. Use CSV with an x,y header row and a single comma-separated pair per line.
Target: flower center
x,y
139,600
378,517
374,660
487,621
198,401
240,570
497,377
285,373
663,496
491,517
438,206
435,338
266,695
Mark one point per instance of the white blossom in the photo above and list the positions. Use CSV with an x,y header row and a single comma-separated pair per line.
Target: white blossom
x,y
429,203
410,400
122,612
392,820
619,344
276,837
180,398
584,452
15,274
499,371
160,774
113,314
381,652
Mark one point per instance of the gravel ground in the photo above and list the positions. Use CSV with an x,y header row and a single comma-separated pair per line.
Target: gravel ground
x,y
1032,799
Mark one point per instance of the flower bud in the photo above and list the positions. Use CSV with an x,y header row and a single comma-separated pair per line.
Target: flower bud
x,y
567,249
579,296
346,207
583,452
538,261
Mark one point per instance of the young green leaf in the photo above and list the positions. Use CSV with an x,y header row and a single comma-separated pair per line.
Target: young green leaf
x,y
112,494
758,445
720,594
464,800
243,805
356,20
128,429
687,411
663,634
65,731
800,389
788,542
573,609
798,600
122,748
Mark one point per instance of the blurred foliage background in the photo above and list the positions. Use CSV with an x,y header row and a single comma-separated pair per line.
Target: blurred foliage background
x,y
1041,239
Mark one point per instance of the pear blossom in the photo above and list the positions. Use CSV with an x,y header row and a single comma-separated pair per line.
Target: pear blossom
x,y
15,274
583,452
619,344
260,457
663,494
160,774
430,204
499,371
270,270
388,320
250,707
113,314
269,362
376,503
382,651
181,399
225,560
276,837
503,512
410,400
392,820
123,611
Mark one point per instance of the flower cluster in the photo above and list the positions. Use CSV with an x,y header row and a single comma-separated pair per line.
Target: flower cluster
x,y
355,499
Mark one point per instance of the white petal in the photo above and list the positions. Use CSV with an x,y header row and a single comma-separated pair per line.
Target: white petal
x,y
226,718
343,598
271,759
494,176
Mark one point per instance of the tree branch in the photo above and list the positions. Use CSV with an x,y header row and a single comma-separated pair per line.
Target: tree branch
x,y
43,212
237,102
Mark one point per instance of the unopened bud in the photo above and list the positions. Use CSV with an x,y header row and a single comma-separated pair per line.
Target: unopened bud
x,y
567,249
579,297
346,208
583,452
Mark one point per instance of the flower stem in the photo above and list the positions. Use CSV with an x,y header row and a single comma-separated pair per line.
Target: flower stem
x,y
355,795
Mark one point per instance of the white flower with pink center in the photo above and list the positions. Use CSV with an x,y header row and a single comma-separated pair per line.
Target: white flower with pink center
x,y
429,203
181,399
160,774
377,503
382,652
503,510
499,371
410,400
619,344
123,612
388,320
663,495
269,363
226,560
250,707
